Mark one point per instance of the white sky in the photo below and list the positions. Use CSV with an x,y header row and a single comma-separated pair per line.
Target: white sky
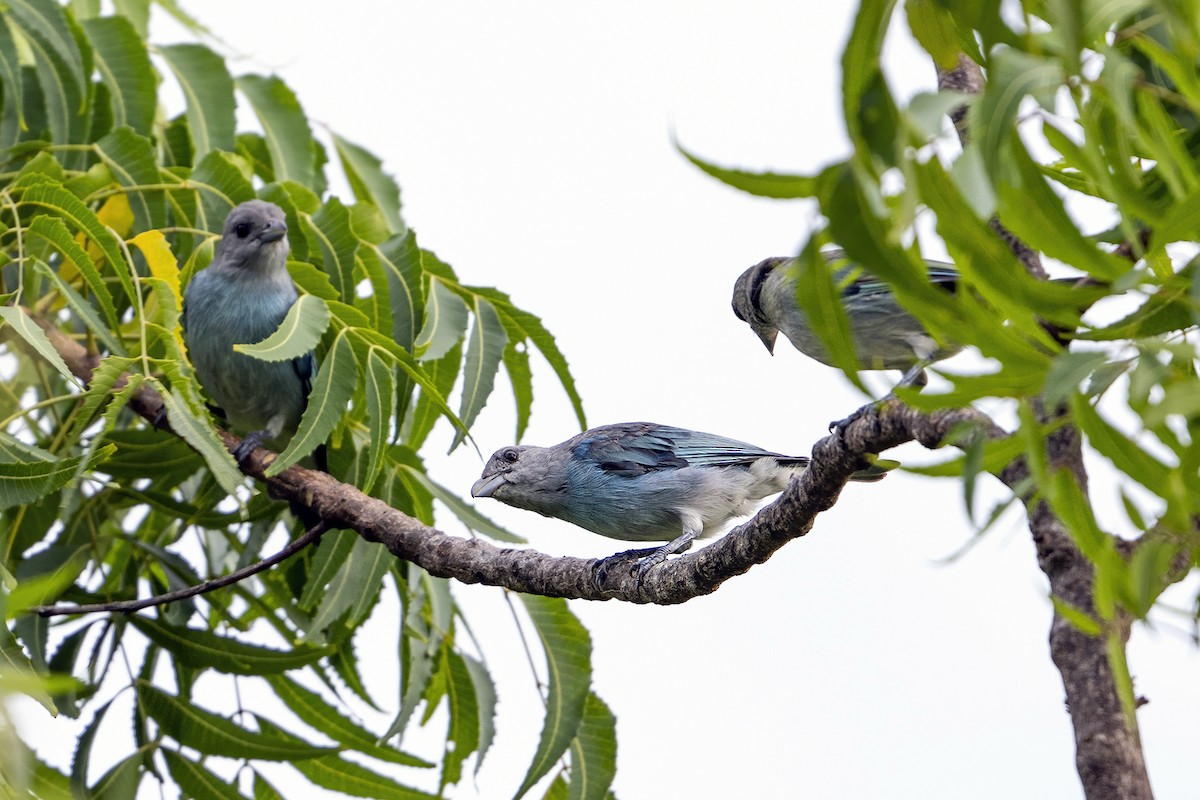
x,y
531,142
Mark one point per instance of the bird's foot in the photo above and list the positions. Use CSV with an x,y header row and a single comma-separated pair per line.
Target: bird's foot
x,y
253,440
613,563
838,426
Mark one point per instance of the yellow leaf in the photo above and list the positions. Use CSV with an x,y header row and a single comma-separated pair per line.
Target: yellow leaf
x,y
116,214
159,258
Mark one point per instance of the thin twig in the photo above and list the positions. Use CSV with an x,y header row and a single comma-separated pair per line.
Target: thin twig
x,y
310,536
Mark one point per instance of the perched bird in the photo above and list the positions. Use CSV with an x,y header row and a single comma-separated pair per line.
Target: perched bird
x,y
638,481
240,298
885,335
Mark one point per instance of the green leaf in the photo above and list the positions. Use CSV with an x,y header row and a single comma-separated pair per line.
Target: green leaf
x,y
1114,445
594,752
485,695
445,322
340,775
59,201
1068,371
332,388
312,709
201,436
821,301
35,337
933,26
355,586
463,737
130,159
201,649
121,781
24,483
83,752
84,309
1012,76
15,663
368,181
196,781
220,186
214,735
568,648
285,127
1078,618
297,335
485,348
380,389
401,259
61,67
125,67
760,184
330,228
208,90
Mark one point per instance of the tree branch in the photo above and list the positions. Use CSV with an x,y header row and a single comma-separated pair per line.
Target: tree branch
x,y
310,536
680,579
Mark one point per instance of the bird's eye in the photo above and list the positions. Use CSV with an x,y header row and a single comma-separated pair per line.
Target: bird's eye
x,y
242,229
509,455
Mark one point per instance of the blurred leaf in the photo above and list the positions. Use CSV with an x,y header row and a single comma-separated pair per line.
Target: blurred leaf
x,y
762,184
200,435
463,737
339,775
466,513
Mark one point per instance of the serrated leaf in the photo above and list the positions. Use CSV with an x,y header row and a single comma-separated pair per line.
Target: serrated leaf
x,y
594,752
220,186
356,585
364,172
1117,447
14,662
330,229
83,752
285,128
163,266
485,695
201,436
380,389
340,775
130,159
312,709
35,337
201,649
297,335
196,781
445,322
463,737
59,201
1068,371
208,90
125,67
331,391
568,648
24,483
760,184
83,308
214,735
485,348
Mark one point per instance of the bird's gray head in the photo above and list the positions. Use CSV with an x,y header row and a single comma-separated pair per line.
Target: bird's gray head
x,y
747,305
255,237
524,476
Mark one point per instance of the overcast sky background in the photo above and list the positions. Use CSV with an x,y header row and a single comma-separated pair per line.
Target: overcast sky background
x,y
532,145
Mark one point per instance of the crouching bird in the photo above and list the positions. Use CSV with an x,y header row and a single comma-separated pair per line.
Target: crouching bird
x,y
642,482
240,298
885,336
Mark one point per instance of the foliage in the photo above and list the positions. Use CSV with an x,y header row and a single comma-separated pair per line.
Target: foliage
x,y
1085,106
109,204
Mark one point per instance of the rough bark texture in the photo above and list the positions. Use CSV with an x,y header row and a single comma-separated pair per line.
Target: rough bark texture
x,y
1108,752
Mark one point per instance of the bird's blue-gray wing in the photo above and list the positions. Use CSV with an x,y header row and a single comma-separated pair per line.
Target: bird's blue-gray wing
x,y
637,448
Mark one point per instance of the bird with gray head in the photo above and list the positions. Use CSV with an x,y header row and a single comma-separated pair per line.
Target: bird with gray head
x,y
638,481
240,298
885,336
